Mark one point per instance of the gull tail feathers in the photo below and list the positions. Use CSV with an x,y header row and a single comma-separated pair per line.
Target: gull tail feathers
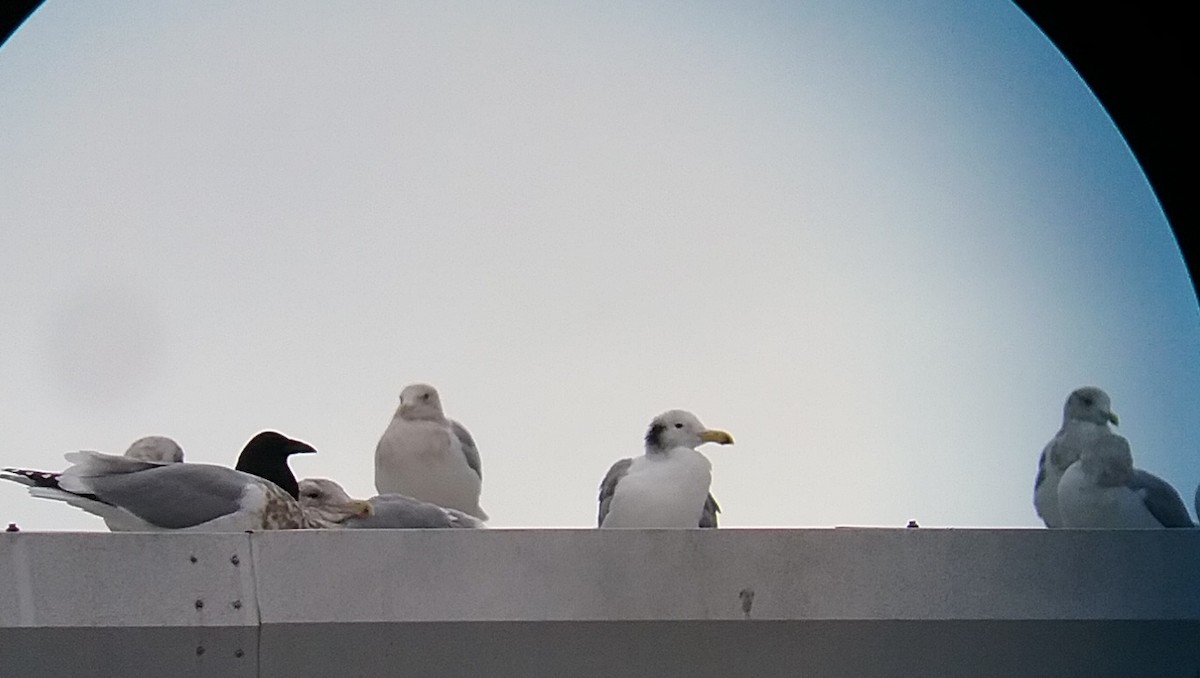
x,y
30,477
86,464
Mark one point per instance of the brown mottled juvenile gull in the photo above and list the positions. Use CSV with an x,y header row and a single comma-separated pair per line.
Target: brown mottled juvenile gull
x,y
668,485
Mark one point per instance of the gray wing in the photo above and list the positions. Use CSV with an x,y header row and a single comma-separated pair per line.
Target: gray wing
x,y
1041,474
396,511
173,496
709,517
468,446
1161,499
609,485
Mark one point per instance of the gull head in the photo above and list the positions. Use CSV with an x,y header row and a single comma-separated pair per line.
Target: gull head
x,y
680,428
420,401
155,448
326,504
1090,404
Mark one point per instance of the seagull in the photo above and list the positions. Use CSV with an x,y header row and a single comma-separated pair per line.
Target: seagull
x,y
266,456
425,456
159,449
138,495
668,485
388,510
1103,489
1086,416
155,448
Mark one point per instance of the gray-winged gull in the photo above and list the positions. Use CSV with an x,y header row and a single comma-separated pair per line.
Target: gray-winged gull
x,y
135,495
1086,415
668,485
1102,489
389,511
426,456
158,449
1161,499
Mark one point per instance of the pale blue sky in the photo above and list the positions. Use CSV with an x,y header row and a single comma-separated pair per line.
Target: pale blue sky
x,y
878,242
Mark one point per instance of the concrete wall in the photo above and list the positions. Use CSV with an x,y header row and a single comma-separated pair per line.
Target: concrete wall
x,y
834,602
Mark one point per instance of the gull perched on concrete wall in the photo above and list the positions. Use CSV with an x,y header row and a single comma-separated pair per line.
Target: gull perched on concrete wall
x,y
136,495
1103,489
1086,415
1106,491
668,485
157,449
388,511
426,456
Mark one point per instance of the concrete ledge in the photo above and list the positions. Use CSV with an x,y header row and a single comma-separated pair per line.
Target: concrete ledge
x,y
620,602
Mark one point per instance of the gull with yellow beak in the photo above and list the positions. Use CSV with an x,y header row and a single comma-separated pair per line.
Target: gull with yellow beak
x,y
426,456
668,485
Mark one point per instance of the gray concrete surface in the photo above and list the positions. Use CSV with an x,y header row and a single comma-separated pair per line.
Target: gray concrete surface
x,y
857,602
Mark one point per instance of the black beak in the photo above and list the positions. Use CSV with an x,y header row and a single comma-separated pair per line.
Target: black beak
x,y
297,447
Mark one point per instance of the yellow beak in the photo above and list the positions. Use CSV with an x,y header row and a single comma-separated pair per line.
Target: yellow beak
x,y
714,436
1112,416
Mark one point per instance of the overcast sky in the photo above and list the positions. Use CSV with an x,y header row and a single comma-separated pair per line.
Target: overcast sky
x,y
878,242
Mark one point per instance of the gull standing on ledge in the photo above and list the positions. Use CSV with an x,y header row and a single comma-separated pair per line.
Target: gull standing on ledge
x,y
1104,490
426,456
1086,416
668,485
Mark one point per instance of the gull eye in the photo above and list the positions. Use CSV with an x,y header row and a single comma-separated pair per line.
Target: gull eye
x,y
1087,401
678,425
